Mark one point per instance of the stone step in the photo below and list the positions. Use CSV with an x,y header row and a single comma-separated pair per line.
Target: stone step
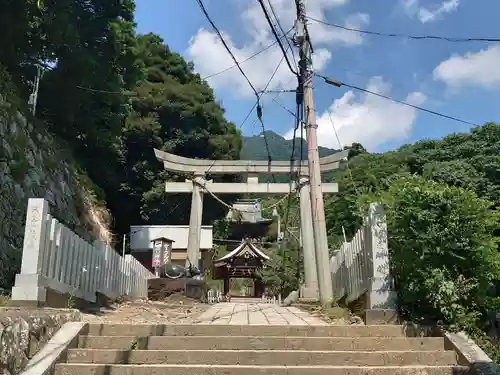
x,y
102,369
246,330
262,357
261,343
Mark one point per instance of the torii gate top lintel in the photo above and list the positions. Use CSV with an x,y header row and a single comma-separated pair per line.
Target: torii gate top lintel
x,y
182,164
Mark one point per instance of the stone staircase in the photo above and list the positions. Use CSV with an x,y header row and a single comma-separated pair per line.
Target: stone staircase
x,y
248,350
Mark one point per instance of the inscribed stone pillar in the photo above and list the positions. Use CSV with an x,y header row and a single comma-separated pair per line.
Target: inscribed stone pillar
x,y
310,289
28,283
381,294
194,234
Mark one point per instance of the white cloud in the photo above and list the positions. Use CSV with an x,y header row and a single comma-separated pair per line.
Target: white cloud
x,y
471,69
209,55
429,14
367,119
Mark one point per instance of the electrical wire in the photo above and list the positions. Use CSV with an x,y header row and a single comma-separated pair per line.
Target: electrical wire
x,y
204,186
273,30
354,185
292,164
282,31
259,108
340,84
207,16
49,68
248,58
259,113
407,36
248,114
242,61
105,91
257,104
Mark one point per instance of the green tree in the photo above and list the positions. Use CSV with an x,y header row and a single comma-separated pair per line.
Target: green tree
x,y
174,111
443,250
282,272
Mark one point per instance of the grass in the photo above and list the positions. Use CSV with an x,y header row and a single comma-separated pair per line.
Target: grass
x,y
328,313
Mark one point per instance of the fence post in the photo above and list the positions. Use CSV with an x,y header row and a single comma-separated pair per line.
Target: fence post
x,y
380,293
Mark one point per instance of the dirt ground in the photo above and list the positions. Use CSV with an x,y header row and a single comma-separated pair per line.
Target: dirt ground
x,y
175,309
334,315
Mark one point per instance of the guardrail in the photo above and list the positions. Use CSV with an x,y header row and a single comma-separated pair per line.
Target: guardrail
x,y
361,266
56,259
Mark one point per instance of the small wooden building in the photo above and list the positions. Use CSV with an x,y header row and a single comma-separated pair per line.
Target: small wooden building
x,y
242,262
141,245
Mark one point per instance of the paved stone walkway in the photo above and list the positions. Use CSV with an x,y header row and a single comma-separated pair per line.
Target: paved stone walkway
x,y
256,314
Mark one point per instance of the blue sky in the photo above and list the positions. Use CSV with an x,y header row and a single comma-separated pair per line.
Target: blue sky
x,y
457,79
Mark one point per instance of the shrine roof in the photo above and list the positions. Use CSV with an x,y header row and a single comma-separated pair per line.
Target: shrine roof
x,y
245,246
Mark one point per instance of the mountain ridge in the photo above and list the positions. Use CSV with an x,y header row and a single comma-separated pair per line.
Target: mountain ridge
x,y
280,148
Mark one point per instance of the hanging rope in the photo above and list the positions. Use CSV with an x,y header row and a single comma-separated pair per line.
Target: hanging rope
x,y
204,186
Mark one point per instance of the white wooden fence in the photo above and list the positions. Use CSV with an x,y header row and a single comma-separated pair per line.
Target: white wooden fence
x,y
55,258
214,296
348,267
362,266
272,300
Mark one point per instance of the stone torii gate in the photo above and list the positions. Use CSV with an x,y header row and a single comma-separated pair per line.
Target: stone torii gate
x,y
199,168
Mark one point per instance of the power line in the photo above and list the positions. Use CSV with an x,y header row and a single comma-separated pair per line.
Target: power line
x,y
259,114
407,36
339,84
259,108
354,185
257,104
242,61
282,31
262,92
292,160
105,91
273,30
248,58
207,16
248,115
278,93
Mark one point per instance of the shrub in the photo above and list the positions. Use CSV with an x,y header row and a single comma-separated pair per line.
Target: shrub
x,y
443,250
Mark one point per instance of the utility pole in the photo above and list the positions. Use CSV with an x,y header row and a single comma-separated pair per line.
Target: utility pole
x,y
123,245
317,203
34,95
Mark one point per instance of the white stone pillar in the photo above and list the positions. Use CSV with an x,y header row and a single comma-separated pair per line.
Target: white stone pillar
x,y
310,289
194,235
381,294
29,283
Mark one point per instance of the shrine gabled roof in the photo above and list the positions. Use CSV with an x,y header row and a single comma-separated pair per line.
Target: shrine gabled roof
x,y
244,247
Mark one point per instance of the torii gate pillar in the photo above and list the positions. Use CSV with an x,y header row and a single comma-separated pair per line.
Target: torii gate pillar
x,y
310,288
196,214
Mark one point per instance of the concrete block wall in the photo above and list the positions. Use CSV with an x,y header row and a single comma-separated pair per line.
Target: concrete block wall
x,y
56,261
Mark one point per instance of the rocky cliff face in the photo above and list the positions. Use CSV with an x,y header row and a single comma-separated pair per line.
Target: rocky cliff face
x,y
23,332
33,165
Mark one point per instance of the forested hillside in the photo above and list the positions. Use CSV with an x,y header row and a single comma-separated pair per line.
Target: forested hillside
x,y
110,96
466,160
254,148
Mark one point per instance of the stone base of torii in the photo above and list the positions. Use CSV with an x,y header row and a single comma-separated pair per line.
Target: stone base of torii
x,y
197,185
